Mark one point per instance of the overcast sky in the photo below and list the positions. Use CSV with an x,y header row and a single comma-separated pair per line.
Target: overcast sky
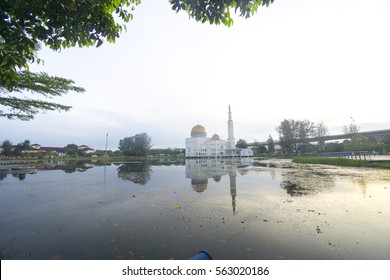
x,y
324,61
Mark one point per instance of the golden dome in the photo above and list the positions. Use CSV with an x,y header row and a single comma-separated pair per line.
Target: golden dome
x,y
215,137
198,131
199,185
217,178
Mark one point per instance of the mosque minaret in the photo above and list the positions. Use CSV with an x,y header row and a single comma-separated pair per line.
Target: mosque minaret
x,y
231,143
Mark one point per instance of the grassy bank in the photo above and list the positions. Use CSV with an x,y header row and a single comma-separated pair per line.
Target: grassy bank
x,y
341,162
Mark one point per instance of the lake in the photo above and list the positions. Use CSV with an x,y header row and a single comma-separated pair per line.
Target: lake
x,y
234,209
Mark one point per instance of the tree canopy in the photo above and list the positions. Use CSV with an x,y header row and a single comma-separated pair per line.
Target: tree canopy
x,y
57,24
293,135
137,145
25,25
352,128
24,108
218,11
241,143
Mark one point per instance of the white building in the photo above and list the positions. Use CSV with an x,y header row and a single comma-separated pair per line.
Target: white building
x,y
199,145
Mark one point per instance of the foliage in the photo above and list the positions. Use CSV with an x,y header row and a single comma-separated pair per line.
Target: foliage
x,y
334,147
270,143
321,130
73,150
242,144
352,128
117,153
24,108
24,25
57,24
358,143
329,161
218,11
293,135
137,145
260,150
386,140
7,148
341,162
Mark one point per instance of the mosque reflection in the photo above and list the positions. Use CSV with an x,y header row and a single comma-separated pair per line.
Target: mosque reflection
x,y
201,170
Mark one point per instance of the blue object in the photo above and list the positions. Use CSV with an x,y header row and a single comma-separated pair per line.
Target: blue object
x,y
202,255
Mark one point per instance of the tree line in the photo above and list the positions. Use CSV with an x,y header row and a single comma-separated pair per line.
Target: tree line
x,y
294,138
24,149
138,145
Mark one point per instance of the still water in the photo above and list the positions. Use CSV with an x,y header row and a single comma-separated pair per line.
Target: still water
x,y
232,209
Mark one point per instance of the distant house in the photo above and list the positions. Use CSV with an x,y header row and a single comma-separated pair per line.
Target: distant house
x,y
86,149
36,148
61,151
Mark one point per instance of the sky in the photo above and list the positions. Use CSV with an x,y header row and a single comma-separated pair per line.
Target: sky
x,y
323,61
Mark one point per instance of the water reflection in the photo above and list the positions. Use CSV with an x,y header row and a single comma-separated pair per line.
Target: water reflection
x,y
281,211
201,170
21,170
138,172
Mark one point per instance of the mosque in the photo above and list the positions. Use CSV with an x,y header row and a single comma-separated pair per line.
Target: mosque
x,y
200,146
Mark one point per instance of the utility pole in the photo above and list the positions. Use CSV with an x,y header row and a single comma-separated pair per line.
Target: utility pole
x,y
106,144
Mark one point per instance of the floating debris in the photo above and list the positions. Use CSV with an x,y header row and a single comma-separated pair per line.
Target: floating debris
x,y
176,206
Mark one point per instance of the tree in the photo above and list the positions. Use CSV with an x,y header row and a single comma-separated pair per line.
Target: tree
x,y
334,147
57,24
24,25
271,144
294,135
7,148
260,150
352,128
26,144
73,150
218,11
321,130
137,145
358,143
242,144
386,140
35,83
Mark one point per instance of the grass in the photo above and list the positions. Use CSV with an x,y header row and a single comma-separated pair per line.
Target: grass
x,y
341,162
